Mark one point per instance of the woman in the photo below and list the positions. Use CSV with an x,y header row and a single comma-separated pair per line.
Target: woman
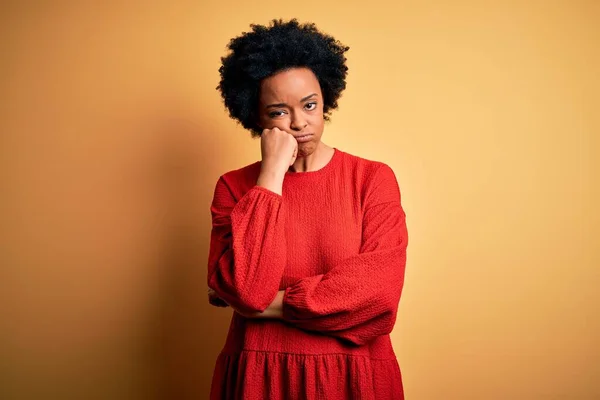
x,y
308,245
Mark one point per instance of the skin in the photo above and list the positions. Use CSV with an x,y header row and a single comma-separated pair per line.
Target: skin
x,y
290,106
292,101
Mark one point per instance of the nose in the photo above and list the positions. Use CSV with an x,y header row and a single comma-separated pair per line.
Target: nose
x,y
298,122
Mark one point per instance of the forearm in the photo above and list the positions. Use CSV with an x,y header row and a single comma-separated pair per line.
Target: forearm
x,y
271,180
273,311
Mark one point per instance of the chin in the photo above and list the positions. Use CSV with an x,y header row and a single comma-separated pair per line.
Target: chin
x,y
306,149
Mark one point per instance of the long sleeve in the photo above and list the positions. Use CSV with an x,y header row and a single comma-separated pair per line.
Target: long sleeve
x,y
357,300
247,251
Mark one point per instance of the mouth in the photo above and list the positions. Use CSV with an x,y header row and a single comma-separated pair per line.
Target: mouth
x,y
304,138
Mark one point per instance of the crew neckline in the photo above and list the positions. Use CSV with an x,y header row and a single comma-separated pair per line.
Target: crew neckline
x,y
325,169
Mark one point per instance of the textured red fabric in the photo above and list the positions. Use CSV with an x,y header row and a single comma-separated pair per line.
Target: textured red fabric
x,y
335,241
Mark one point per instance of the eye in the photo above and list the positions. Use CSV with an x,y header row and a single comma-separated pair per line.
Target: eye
x,y
275,114
311,106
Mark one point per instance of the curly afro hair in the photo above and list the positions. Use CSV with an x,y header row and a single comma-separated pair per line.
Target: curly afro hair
x,y
267,50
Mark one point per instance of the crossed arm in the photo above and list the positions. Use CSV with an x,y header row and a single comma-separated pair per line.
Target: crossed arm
x,y
355,300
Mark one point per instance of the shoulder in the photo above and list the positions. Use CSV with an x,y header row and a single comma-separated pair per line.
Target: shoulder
x,y
238,181
375,179
242,173
368,171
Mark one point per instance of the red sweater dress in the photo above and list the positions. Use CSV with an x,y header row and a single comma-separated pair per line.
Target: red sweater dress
x,y
335,241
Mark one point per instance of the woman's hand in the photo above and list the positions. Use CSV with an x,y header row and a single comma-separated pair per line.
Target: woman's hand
x,y
274,311
279,150
216,300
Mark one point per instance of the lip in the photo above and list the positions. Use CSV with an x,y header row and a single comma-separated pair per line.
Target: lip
x,y
304,138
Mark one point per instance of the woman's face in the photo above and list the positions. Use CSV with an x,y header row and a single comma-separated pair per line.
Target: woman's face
x,y
292,101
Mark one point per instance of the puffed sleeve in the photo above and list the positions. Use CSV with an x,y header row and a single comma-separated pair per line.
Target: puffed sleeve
x,y
247,253
357,300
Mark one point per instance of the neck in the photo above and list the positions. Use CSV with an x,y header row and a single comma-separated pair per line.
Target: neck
x,y
314,161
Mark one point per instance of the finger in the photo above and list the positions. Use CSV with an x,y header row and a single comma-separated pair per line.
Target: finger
x,y
294,155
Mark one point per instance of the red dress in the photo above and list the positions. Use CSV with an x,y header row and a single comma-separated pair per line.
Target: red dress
x,y
335,241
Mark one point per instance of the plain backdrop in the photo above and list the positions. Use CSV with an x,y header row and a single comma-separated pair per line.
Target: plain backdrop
x,y
112,137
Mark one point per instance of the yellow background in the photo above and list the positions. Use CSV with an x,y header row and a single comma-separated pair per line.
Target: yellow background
x,y
113,136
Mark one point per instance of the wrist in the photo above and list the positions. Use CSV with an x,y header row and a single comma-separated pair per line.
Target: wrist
x,y
275,309
272,180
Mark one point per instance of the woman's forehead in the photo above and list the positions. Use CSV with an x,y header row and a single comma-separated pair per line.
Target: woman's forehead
x,y
291,85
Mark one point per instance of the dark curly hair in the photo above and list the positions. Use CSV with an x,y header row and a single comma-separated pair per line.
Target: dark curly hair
x,y
267,50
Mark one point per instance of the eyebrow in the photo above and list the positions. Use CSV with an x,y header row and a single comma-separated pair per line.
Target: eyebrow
x,y
278,105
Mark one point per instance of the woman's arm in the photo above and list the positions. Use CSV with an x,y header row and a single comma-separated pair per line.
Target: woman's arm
x,y
247,251
357,300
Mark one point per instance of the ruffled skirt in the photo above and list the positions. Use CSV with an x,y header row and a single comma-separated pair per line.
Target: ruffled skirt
x,y
261,375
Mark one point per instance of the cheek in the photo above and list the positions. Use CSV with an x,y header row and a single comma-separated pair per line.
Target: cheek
x,y
316,120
